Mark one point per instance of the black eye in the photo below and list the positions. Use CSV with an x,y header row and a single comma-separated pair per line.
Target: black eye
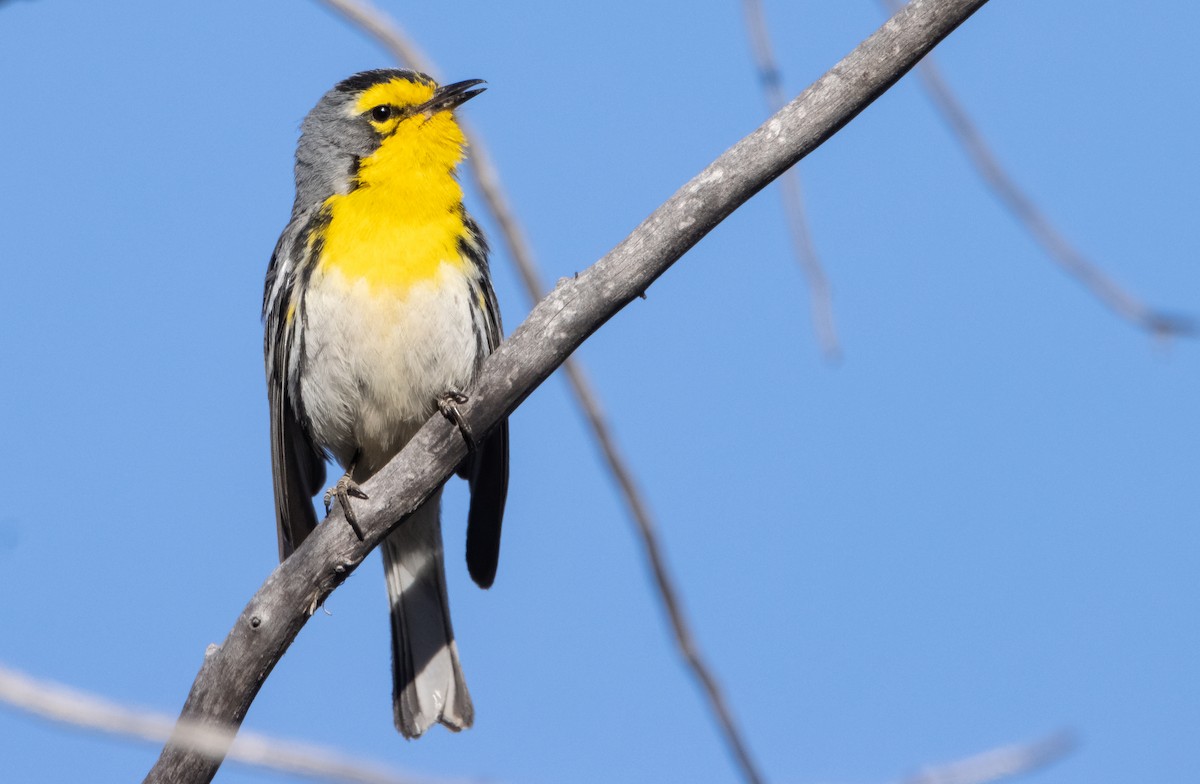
x,y
381,113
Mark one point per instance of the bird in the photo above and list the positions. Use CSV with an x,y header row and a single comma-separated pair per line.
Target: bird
x,y
378,312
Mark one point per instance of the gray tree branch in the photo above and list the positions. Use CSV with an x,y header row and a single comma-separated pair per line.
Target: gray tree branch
x,y
232,674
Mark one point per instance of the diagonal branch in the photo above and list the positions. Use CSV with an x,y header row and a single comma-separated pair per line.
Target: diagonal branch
x,y
232,674
487,177
1061,252
789,187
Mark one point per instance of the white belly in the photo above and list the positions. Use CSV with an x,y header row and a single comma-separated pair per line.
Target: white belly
x,y
375,364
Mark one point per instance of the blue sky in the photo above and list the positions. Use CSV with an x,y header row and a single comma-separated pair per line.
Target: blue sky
x,y
979,527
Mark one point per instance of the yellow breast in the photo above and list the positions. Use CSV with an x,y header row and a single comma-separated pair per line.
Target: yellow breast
x,y
404,219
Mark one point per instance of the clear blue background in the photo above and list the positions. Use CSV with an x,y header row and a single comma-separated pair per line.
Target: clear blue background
x,y
978,528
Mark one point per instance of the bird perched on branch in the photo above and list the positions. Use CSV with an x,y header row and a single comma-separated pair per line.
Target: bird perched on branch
x,y
379,310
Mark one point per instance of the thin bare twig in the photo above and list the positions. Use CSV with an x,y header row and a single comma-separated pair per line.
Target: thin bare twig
x,y
996,764
734,737
233,672
487,177
789,187
1070,260
384,30
59,703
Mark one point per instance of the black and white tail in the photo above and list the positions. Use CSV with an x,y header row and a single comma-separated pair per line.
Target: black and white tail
x,y
428,681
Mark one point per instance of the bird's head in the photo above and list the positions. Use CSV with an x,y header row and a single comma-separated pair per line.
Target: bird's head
x,y
392,119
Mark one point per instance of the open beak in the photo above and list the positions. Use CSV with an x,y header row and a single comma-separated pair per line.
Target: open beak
x,y
451,96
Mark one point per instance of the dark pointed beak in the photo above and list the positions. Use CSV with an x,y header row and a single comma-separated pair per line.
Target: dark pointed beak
x,y
451,96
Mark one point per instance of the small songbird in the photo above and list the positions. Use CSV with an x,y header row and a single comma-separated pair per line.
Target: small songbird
x,y
379,310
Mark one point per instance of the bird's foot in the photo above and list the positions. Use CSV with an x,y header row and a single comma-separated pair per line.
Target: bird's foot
x,y
343,491
448,404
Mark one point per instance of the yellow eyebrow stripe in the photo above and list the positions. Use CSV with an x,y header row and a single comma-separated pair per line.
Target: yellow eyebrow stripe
x,y
398,92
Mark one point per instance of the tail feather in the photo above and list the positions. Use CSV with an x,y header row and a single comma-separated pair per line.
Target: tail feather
x,y
428,684
489,487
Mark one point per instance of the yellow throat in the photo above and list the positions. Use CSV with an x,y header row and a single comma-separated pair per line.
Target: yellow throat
x,y
404,218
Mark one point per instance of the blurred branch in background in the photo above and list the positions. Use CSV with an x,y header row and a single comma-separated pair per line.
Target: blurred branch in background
x,y
60,704
1002,763
1035,222
392,37
771,79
